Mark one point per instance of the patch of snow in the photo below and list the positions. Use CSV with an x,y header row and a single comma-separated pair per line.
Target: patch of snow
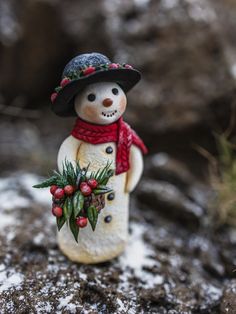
x,y
10,200
175,261
41,196
64,304
121,306
6,220
5,183
11,235
38,239
13,280
2,267
82,276
196,242
214,292
43,307
137,256
200,10
137,252
141,3
169,4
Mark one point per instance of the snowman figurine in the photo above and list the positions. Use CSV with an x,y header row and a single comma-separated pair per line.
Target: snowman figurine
x,y
93,89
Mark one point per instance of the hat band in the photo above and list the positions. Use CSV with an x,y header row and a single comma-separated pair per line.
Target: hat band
x,y
75,75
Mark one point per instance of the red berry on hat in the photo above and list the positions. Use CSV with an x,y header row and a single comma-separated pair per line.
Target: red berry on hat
x,y
59,193
81,222
85,189
57,211
69,189
53,97
113,66
89,70
53,188
65,81
93,183
128,66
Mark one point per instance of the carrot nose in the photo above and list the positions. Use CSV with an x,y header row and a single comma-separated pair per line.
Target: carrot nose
x,y
107,102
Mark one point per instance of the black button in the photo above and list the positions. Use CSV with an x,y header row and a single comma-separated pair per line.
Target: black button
x,y
111,196
108,219
109,150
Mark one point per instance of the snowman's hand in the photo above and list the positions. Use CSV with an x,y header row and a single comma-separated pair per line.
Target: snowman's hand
x,y
68,152
136,169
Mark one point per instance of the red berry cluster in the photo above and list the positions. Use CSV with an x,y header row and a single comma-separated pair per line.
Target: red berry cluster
x,y
59,195
86,187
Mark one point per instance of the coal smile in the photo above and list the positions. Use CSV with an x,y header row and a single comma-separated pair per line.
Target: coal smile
x,y
109,113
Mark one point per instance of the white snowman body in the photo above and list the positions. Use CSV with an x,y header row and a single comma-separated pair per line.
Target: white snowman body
x,y
102,104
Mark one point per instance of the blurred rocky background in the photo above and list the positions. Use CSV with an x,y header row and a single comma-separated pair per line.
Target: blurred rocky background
x,y
186,51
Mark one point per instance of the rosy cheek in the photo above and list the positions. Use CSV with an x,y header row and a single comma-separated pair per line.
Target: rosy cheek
x,y
89,111
122,104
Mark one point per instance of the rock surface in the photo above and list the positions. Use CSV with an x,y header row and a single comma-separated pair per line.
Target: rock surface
x,y
165,269
169,186
228,304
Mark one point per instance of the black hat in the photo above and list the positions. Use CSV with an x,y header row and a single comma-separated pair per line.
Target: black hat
x,y
86,69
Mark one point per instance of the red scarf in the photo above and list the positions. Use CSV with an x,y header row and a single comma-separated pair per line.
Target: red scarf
x,y
118,132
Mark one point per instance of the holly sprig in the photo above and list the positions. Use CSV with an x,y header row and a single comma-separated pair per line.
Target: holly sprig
x,y
74,175
71,188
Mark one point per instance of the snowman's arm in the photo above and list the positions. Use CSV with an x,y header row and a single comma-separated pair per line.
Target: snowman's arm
x,y
136,168
68,151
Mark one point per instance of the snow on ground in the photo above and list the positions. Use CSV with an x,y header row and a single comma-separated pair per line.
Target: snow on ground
x,y
138,259
17,192
41,196
137,256
10,200
65,304
43,307
10,279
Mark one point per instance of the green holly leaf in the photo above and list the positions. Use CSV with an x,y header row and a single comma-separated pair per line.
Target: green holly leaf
x,y
68,208
92,216
102,189
60,222
74,228
78,203
47,183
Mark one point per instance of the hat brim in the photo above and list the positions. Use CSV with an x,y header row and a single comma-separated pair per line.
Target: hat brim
x,y
64,102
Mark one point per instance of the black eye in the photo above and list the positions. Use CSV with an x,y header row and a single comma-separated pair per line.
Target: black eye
x,y
115,91
91,97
